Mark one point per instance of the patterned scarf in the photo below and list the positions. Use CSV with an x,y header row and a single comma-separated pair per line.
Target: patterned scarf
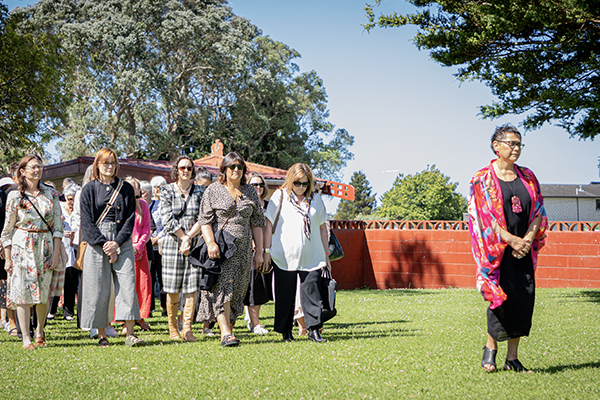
x,y
485,208
305,214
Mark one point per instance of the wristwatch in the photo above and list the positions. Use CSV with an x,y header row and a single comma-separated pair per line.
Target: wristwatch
x,y
268,251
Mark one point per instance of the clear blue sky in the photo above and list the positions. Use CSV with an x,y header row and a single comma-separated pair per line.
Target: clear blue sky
x,y
404,110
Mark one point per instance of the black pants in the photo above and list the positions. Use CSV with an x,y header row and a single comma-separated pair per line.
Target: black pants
x,y
156,275
72,276
285,296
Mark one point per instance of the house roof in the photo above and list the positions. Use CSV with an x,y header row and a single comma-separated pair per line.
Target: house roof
x,y
571,190
146,169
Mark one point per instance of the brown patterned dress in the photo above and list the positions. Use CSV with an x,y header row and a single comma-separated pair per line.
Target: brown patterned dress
x,y
217,204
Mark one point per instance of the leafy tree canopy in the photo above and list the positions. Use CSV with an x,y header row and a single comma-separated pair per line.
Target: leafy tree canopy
x,y
427,195
364,200
34,72
156,79
537,57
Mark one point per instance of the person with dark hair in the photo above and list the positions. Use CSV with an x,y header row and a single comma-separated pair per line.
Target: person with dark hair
x,y
260,289
299,249
204,176
508,223
157,234
232,206
180,208
31,238
107,218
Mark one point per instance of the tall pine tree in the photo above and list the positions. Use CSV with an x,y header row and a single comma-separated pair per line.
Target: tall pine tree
x,y
364,201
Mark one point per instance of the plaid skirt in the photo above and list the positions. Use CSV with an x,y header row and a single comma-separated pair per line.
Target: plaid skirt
x,y
178,275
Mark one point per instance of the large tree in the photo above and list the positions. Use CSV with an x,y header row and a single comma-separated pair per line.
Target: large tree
x,y
34,73
157,78
364,199
537,57
427,195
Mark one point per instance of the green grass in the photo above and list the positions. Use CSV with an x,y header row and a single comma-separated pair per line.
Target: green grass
x,y
383,344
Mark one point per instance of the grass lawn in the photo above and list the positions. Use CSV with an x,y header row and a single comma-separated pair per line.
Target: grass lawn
x,y
383,344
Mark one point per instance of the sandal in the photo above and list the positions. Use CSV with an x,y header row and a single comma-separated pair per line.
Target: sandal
x,y
229,340
489,358
13,332
40,341
103,342
29,347
515,365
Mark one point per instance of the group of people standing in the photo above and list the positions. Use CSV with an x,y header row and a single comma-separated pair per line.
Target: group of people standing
x,y
121,224
507,222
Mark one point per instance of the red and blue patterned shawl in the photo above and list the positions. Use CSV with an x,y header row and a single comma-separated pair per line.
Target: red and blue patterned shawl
x,y
486,206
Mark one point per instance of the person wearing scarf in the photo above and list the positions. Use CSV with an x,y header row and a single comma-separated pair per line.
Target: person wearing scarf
x,y
298,247
507,222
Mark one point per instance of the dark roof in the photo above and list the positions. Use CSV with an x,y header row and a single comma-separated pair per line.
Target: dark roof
x,y
557,190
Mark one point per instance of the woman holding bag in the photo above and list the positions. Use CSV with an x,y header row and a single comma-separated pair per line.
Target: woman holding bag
x,y
107,219
31,238
180,205
298,248
232,206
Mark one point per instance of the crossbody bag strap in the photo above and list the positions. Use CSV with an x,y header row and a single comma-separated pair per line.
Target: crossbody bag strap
x,y
278,212
110,203
230,214
38,212
184,209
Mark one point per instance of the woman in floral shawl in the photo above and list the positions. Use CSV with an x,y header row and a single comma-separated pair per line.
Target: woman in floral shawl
x,y
507,222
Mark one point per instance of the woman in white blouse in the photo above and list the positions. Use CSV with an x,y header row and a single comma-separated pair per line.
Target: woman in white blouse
x,y
298,249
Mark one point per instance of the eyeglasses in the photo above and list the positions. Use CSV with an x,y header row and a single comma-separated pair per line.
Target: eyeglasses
x,y
298,183
512,143
109,164
257,185
186,168
239,167
34,167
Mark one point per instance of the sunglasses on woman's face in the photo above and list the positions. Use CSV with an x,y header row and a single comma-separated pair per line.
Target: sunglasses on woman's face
x,y
239,167
298,184
186,168
258,185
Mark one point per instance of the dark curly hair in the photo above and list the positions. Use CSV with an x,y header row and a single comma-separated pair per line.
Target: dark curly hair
x,y
175,169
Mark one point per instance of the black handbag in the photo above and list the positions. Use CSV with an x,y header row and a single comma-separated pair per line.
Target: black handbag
x,y
328,289
335,248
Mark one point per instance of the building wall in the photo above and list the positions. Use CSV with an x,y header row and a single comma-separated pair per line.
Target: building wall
x,y
396,257
571,209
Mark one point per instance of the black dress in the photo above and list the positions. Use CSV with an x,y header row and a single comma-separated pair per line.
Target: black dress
x,y
513,318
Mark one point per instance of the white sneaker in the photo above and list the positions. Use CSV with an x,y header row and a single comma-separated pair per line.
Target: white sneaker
x,y
111,332
93,333
260,330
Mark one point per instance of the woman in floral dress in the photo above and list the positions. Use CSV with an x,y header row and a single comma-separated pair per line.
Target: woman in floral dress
x,y
31,247
232,205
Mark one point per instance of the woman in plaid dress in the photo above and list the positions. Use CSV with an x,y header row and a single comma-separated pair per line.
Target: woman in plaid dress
x,y
180,222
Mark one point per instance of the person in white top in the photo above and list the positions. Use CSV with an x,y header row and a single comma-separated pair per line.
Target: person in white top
x,y
298,248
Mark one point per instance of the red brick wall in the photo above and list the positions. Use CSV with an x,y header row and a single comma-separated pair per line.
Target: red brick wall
x,y
430,258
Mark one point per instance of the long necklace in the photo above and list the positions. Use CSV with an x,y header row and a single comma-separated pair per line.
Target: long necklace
x,y
514,200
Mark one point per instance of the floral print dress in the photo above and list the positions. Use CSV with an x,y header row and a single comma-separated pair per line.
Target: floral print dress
x,y
31,252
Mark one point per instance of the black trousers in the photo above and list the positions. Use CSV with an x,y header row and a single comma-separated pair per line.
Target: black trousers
x,y
285,296
156,275
72,276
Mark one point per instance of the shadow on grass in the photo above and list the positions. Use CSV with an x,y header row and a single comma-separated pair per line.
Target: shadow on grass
x,y
392,292
561,368
590,296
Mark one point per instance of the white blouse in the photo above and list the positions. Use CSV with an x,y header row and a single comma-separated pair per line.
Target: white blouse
x,y
290,248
